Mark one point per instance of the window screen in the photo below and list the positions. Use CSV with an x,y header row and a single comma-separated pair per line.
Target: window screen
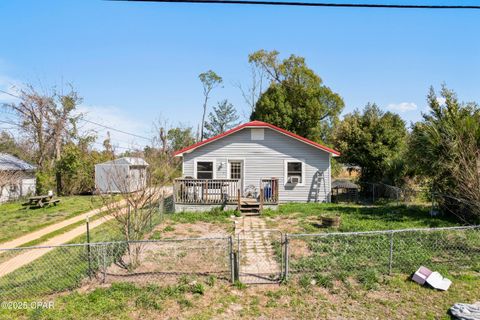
x,y
205,170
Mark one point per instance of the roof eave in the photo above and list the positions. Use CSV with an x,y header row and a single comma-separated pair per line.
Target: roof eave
x,y
287,133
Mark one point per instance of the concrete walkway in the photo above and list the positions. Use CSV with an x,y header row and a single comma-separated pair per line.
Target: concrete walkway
x,y
257,257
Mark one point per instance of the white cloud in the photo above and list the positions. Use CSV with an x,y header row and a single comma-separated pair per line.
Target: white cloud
x,y
402,107
114,117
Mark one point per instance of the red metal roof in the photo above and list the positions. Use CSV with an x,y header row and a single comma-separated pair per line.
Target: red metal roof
x,y
257,124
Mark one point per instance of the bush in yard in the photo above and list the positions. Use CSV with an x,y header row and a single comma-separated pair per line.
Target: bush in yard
x,y
445,148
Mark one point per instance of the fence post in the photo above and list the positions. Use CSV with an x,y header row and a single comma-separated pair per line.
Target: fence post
x,y
286,271
390,260
89,249
232,259
104,263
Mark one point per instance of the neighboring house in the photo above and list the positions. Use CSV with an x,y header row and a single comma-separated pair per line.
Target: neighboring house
x,y
252,166
17,178
121,175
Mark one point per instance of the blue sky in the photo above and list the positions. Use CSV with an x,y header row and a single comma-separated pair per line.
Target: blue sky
x,y
134,62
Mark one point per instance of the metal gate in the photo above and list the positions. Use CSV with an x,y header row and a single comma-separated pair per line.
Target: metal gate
x,y
260,256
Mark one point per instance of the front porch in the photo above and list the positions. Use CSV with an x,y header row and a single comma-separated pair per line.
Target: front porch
x,y
204,194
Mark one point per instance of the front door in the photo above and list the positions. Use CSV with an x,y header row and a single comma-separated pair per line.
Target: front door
x,y
235,168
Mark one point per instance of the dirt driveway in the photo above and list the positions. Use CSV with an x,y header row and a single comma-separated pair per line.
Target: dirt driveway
x,y
51,228
30,255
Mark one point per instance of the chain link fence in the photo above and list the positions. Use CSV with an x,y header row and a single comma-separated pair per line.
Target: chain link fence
x,y
372,192
453,250
248,258
39,271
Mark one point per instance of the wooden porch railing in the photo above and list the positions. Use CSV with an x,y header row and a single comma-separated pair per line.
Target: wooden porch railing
x,y
206,191
268,191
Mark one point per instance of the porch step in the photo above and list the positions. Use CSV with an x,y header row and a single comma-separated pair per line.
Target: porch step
x,y
249,207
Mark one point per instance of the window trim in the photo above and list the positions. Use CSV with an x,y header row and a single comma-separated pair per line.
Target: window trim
x,y
285,172
214,167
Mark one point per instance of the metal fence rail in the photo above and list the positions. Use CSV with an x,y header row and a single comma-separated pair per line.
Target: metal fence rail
x,y
249,257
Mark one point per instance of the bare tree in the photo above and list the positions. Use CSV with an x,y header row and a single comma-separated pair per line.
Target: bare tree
x,y
139,195
160,139
253,92
210,80
49,120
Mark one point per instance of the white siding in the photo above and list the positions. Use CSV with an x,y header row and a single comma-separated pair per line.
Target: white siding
x,y
265,159
25,186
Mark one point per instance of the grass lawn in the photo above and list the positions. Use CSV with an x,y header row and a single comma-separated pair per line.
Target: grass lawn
x,y
395,298
304,217
16,221
311,294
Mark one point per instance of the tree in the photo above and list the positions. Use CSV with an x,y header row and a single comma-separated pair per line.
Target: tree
x,y
296,99
223,118
373,140
180,137
48,120
254,90
445,148
210,80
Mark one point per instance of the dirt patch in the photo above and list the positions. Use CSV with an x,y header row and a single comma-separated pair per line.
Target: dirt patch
x,y
299,249
191,230
285,224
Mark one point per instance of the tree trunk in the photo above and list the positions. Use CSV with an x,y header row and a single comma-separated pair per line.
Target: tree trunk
x,y
203,118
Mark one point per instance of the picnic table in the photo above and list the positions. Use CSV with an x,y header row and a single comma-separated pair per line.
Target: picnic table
x,y
40,201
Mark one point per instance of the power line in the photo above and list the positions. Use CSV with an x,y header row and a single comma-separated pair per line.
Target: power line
x,y
315,4
10,122
117,130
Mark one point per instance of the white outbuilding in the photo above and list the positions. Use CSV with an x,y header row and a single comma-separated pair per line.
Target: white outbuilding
x,y
121,175
17,178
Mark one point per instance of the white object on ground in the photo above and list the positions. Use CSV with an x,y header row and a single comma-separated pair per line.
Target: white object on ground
x,y
424,275
421,275
438,282
464,311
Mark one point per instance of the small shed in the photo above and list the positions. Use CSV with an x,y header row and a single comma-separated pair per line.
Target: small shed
x,y
123,175
17,178
344,190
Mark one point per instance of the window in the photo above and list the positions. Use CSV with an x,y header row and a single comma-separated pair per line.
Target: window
x,y
294,172
236,170
204,170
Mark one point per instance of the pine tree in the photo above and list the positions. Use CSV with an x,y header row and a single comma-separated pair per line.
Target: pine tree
x,y
223,118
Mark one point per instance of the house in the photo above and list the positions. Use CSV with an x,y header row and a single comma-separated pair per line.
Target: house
x,y
123,175
250,167
17,178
